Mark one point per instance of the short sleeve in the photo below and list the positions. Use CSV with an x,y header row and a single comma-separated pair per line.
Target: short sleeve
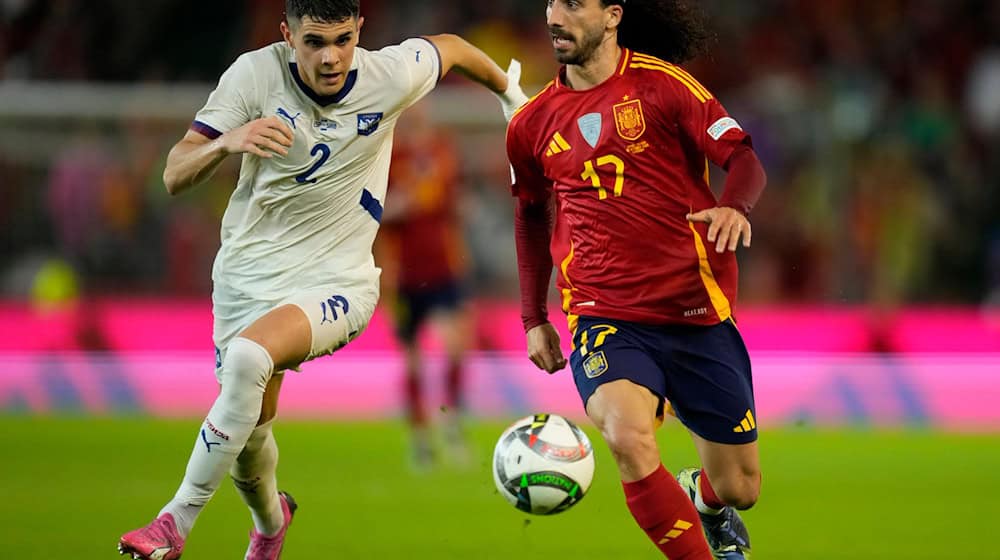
x,y
528,181
231,105
421,67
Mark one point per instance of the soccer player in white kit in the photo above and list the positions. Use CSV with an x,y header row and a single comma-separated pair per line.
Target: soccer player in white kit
x,y
294,279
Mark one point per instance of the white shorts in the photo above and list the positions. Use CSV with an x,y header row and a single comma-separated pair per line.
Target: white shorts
x,y
336,315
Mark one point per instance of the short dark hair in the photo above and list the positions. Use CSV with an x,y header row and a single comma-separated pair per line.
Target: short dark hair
x,y
326,11
673,30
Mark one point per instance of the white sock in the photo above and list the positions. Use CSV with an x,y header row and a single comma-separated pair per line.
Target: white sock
x,y
254,476
245,372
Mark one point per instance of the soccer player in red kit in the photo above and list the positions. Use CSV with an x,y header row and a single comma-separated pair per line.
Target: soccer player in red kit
x,y
424,271
610,173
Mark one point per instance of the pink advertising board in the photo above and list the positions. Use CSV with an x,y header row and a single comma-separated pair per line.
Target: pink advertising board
x,y
811,365
168,325
951,391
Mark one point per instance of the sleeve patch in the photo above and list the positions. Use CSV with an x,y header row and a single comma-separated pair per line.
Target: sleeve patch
x,y
722,126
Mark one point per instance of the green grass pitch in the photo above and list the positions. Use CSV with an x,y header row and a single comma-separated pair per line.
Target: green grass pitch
x,y
71,486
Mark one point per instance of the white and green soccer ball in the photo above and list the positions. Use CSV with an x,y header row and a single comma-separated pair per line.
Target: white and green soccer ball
x,y
543,464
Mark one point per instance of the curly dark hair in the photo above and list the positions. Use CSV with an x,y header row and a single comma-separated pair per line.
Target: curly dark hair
x,y
673,30
326,11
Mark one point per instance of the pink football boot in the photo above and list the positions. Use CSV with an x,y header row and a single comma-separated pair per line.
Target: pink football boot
x,y
157,541
269,548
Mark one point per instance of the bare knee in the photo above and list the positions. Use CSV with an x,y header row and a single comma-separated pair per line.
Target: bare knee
x,y
625,415
633,448
739,489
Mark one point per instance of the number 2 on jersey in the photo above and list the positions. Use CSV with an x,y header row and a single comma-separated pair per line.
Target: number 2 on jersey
x,y
590,172
324,154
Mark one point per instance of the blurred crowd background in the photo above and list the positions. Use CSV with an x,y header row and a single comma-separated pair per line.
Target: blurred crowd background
x,y
878,122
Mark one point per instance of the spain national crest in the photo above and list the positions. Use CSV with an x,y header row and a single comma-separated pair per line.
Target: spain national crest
x,y
595,364
629,121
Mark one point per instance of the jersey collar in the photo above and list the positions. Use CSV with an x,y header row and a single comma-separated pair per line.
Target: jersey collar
x,y
324,100
623,61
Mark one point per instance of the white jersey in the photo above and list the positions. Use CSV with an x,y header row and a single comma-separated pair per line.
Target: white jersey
x,y
309,219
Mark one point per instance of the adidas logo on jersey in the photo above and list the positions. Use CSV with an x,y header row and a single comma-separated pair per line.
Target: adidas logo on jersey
x,y
558,145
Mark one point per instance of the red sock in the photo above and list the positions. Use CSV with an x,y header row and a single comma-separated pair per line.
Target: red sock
x,y
707,493
415,399
453,386
665,512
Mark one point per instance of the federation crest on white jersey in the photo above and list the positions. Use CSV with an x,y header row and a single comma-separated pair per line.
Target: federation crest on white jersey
x,y
543,464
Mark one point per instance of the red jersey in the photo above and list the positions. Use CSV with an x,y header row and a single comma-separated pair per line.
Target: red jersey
x,y
627,161
426,239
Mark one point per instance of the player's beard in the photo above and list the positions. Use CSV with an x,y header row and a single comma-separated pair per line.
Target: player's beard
x,y
585,47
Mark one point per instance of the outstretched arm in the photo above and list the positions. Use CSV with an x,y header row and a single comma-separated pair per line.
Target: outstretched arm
x,y
474,64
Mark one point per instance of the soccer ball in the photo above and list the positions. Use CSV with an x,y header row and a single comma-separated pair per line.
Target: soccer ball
x,y
543,464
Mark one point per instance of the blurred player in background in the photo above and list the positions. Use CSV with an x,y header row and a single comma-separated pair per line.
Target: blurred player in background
x,y
424,265
312,118
621,141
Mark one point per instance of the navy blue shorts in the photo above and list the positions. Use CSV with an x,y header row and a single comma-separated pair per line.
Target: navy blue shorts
x,y
703,371
414,306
